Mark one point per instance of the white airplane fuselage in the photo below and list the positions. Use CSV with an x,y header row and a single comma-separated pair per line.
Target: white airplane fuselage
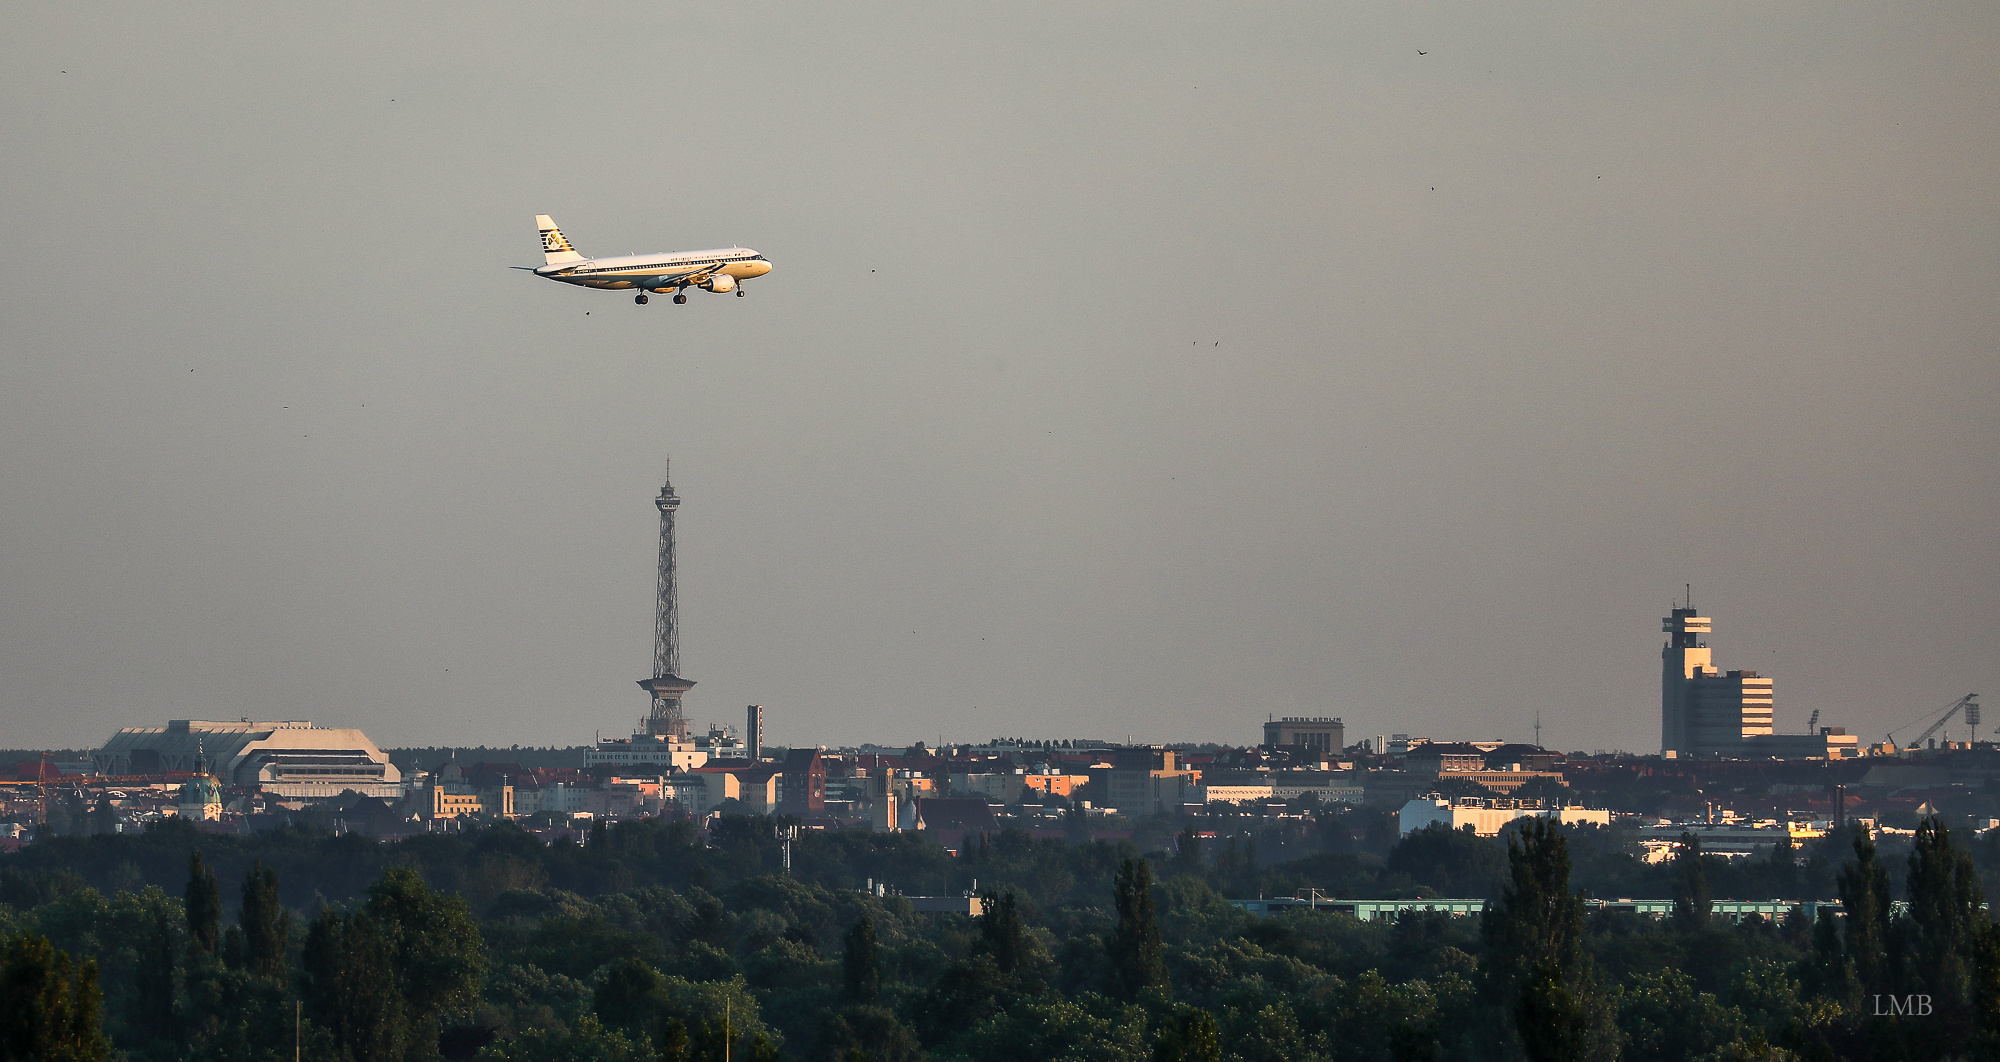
x,y
721,270
657,272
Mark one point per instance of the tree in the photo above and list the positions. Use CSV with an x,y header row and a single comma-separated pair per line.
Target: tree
x,y
1138,961
346,990
49,1004
1986,991
1864,898
204,904
265,922
633,997
1552,1023
1454,862
1940,939
872,1033
1187,851
1190,1036
153,1002
438,958
860,965
1535,968
1001,933
1536,920
1693,902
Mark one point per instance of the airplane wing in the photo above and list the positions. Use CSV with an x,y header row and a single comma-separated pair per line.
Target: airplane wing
x,y
695,274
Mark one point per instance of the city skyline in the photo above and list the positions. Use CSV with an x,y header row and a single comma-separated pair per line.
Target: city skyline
x,y
1119,375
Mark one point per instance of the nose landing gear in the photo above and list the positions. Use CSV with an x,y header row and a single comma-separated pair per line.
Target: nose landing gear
x,y
641,299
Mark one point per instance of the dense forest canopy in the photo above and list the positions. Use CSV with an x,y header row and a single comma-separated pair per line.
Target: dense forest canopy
x,y
652,940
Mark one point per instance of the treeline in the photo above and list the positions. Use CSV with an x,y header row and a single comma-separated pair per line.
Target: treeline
x,y
1355,854
651,942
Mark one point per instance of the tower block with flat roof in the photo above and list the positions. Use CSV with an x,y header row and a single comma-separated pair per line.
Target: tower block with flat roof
x,y
1705,712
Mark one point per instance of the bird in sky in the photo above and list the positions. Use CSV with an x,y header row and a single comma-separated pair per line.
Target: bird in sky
x,y
1420,51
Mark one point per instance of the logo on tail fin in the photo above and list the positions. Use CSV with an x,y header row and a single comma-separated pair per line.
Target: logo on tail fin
x,y
555,249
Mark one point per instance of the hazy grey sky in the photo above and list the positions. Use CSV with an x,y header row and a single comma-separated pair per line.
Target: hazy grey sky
x,y
1125,369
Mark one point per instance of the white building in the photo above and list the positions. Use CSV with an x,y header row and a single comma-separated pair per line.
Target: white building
x,y
1239,793
1488,817
290,758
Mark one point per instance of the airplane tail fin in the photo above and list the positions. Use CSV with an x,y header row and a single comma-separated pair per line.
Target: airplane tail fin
x,y
555,248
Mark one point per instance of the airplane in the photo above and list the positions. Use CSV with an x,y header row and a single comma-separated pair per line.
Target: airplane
x,y
721,271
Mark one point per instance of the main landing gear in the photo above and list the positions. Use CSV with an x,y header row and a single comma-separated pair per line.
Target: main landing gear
x,y
739,289
641,299
680,298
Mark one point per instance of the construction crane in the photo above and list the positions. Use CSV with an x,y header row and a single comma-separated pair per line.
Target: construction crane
x,y
1969,703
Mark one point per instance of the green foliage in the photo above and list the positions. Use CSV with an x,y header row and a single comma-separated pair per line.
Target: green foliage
x,y
1537,923
1864,898
203,900
265,922
1003,936
861,965
1089,1028
49,1004
1693,901
867,1032
1137,957
349,986
651,944
1190,1036
1449,862
436,956
1665,1019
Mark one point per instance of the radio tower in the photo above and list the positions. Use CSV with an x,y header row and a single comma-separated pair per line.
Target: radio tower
x,y
667,720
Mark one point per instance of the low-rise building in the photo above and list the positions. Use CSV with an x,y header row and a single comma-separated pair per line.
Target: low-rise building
x,y
1488,817
1050,782
1331,787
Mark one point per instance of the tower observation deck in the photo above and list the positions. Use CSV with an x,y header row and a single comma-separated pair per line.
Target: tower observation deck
x,y
667,720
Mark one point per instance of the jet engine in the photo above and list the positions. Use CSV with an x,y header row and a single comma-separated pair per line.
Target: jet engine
x,y
720,283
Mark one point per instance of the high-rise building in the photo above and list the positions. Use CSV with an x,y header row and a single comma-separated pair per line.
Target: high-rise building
x,y
1705,712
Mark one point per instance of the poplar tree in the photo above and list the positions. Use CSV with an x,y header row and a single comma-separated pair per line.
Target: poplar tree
x,y
1939,942
1001,933
1535,967
860,965
1864,899
266,924
203,900
1693,902
1138,961
153,1002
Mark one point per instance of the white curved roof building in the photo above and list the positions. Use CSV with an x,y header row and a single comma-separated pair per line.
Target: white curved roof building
x,y
288,758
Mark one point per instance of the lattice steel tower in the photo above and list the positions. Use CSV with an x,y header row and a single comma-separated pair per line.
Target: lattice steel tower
x,y
667,720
